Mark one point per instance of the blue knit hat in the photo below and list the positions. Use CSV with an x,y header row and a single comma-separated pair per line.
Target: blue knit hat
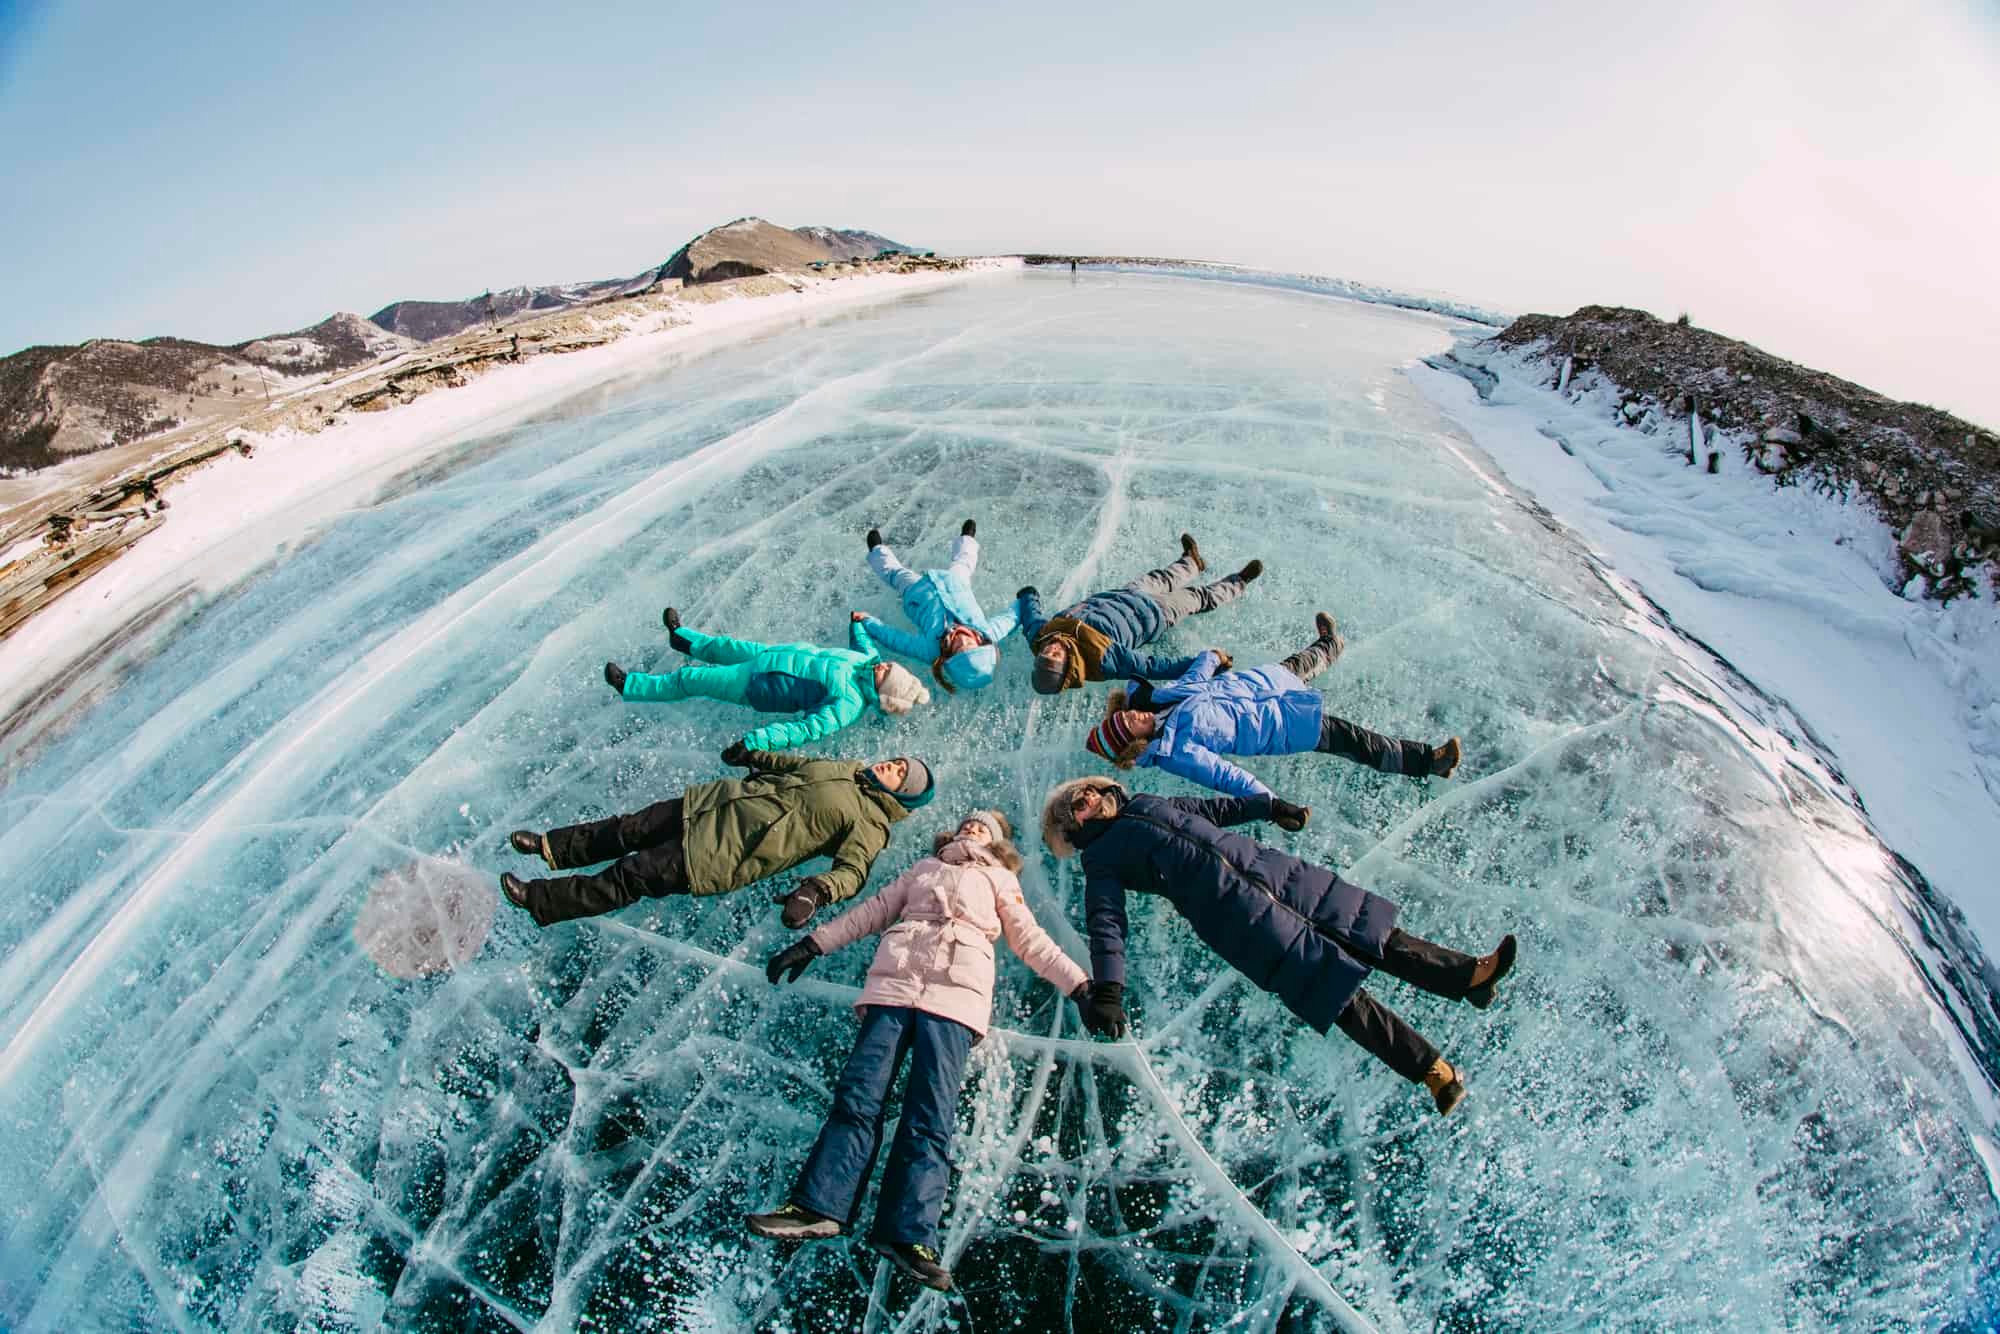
x,y
972,669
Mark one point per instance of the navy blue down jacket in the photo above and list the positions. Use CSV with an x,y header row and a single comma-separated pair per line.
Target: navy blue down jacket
x,y
1285,924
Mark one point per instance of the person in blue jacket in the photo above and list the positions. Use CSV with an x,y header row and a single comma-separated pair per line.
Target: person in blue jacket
x,y
1188,726
1097,639
958,639
1295,929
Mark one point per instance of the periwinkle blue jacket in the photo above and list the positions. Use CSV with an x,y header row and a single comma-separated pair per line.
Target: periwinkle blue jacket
x,y
1128,618
1262,711
1287,925
936,601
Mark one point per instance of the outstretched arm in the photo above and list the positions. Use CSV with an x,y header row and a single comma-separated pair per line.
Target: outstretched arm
x,y
1033,945
906,642
870,917
1122,661
775,762
1198,764
1104,916
1004,624
857,852
792,733
1226,811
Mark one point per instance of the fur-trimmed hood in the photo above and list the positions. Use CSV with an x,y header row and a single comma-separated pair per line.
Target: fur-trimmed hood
x,y
1056,823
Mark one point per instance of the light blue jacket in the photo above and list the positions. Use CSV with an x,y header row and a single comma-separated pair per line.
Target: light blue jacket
x,y
936,600
1262,711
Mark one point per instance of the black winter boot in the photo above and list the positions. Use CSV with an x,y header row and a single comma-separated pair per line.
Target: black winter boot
x,y
919,1261
1250,571
531,844
970,529
1189,547
614,676
1486,974
671,618
874,538
515,888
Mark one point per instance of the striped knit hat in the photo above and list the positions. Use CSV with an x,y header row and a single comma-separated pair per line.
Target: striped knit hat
x,y
1109,738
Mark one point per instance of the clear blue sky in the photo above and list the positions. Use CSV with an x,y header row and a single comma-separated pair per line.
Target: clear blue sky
x,y
1818,178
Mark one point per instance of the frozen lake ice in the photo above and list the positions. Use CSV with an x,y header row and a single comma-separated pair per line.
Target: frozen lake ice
x,y
1732,1085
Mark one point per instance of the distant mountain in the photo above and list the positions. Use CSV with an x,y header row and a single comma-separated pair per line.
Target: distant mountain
x,y
57,402
427,320
852,243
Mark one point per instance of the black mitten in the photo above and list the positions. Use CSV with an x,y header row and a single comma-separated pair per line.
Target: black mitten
x,y
738,754
1104,1010
1289,817
795,958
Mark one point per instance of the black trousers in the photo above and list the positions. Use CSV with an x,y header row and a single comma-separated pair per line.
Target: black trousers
x,y
1386,1035
1351,741
651,863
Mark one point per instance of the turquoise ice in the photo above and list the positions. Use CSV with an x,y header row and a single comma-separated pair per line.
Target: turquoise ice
x,y
1736,1084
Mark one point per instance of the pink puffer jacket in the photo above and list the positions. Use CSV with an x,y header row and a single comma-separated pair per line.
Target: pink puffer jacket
x,y
938,921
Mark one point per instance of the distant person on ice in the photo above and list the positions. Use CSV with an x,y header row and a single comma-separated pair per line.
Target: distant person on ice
x,y
958,639
929,995
830,687
1097,639
718,837
1291,927
1187,727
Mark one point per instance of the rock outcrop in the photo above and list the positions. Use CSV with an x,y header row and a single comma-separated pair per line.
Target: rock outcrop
x,y
1933,477
743,249
426,321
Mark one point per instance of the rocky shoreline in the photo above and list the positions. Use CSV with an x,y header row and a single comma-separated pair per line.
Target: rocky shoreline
x,y
1932,477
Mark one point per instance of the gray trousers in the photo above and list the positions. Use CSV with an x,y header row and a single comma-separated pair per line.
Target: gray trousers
x,y
1174,589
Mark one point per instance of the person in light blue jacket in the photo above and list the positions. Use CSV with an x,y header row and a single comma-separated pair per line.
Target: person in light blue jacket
x,y
958,639
1188,726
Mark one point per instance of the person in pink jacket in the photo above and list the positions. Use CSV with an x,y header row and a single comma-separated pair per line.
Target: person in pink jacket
x,y
929,995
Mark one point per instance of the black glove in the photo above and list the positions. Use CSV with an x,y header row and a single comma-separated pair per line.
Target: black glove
x,y
795,958
806,898
1027,590
1289,817
738,754
1103,1012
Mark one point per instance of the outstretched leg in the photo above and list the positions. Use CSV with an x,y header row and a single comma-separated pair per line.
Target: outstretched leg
x,y
842,1157
719,649
726,683
882,560
1351,741
965,554
597,841
1159,584
919,1171
653,873
1319,655
1387,1036
1184,602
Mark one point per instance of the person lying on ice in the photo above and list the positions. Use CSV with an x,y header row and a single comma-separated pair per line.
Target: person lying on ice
x,y
1095,639
1291,927
929,993
718,837
960,641
829,686
1187,727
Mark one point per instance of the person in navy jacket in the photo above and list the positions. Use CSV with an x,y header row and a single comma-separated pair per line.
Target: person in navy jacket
x,y
1295,929
1187,726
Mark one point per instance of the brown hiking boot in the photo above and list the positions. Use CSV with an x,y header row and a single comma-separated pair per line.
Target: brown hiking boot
x,y
1445,759
1486,973
1324,626
1189,547
1447,1089
792,1222
1250,571
531,844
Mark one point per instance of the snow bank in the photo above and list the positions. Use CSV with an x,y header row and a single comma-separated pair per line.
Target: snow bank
x,y
253,506
1793,588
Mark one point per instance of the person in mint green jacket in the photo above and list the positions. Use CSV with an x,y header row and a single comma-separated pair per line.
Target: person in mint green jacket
x,y
956,636
827,687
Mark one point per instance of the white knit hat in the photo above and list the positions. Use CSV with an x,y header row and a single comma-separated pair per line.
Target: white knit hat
x,y
900,691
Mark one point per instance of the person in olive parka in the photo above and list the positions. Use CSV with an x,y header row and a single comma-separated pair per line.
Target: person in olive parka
x,y
718,837
1291,927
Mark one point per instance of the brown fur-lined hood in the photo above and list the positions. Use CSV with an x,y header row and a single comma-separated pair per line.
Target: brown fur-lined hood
x,y
1055,811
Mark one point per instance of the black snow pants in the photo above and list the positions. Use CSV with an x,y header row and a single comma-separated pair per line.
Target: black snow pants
x,y
1351,741
651,863
1424,964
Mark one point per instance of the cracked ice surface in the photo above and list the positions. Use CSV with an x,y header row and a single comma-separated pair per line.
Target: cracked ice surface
x,y
1725,1090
